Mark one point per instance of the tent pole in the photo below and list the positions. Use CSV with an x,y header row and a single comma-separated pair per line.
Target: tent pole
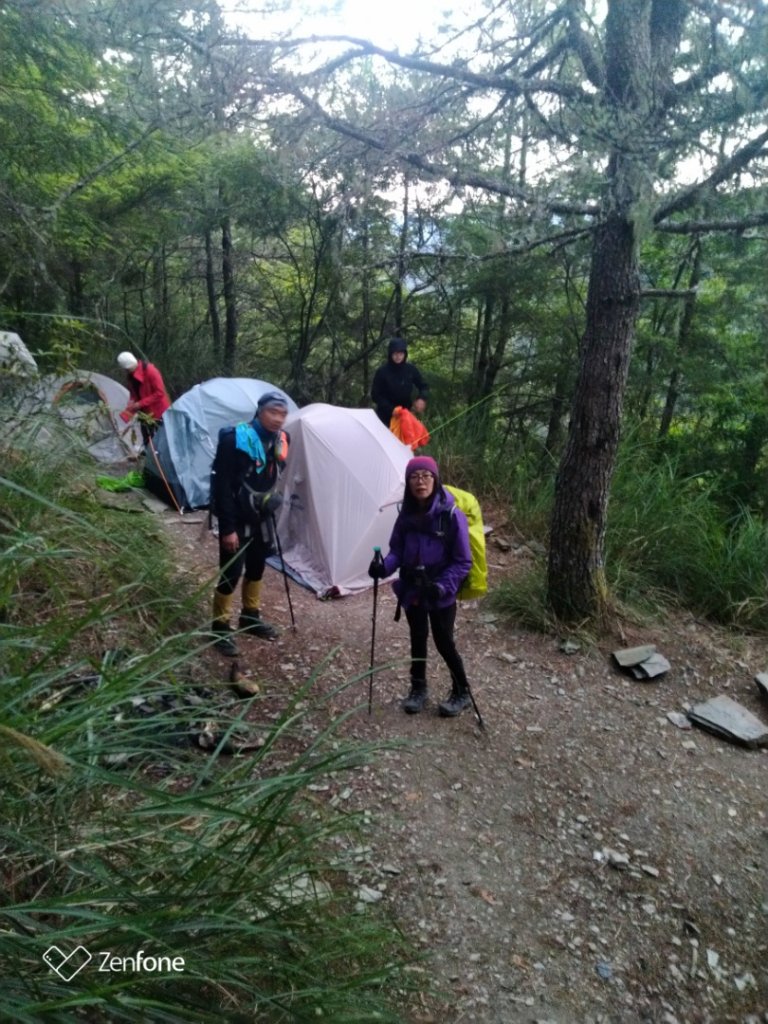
x,y
162,474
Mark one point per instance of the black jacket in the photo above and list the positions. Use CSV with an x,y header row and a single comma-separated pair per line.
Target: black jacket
x,y
393,384
232,467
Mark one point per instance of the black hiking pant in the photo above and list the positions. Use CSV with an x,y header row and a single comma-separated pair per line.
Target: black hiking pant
x,y
251,556
441,620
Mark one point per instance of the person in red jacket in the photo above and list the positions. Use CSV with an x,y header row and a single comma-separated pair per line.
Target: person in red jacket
x,y
149,399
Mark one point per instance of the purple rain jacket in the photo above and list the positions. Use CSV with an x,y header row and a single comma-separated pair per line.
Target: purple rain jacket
x,y
416,540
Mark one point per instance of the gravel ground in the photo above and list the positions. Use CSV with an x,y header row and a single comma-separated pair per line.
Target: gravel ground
x,y
582,861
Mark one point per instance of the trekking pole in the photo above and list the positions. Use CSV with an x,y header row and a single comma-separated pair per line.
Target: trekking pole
x,y
378,559
475,708
282,568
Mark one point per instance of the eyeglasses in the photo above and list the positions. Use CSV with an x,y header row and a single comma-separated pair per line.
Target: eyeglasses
x,y
421,477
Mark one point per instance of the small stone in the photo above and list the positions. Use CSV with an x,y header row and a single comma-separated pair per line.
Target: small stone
x,y
365,894
677,718
746,980
616,859
604,970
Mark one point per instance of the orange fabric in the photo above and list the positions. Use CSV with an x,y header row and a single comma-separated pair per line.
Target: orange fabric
x,y
281,447
408,428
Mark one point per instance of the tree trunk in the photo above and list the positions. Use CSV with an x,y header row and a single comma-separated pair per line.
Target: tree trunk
x,y
576,583
401,262
556,411
683,346
641,39
210,288
230,308
365,286
161,301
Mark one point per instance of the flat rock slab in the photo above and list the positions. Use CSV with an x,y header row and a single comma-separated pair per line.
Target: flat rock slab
x,y
654,666
153,504
761,681
642,662
727,718
125,501
633,655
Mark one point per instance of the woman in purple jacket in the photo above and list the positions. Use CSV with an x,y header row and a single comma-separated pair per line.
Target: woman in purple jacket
x,y
430,547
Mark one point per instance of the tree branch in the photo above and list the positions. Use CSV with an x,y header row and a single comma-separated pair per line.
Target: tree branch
x,y
700,227
364,48
668,293
104,166
459,179
737,162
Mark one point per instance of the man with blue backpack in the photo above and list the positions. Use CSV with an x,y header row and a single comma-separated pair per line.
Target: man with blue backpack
x,y
249,459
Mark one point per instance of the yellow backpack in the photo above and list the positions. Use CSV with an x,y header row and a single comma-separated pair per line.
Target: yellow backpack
x,y
476,583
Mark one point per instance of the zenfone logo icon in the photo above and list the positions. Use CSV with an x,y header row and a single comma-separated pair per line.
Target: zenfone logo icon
x,y
67,966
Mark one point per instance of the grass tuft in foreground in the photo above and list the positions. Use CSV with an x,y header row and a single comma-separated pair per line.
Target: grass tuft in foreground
x,y
119,835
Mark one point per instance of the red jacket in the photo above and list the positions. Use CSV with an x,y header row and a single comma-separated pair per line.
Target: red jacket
x,y
148,392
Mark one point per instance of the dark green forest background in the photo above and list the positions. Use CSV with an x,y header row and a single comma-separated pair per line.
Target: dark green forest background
x,y
562,207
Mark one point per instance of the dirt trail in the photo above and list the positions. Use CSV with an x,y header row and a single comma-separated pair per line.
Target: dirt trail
x,y
584,861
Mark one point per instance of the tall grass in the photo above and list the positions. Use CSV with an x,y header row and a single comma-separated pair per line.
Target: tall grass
x,y
668,541
117,835
667,535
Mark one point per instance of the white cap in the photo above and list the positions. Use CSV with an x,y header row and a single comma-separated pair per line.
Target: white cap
x,y
128,361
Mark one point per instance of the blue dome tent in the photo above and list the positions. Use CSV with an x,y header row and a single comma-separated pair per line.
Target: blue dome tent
x,y
178,462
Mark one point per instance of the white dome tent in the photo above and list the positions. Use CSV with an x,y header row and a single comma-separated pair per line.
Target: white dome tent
x,y
87,406
15,357
341,488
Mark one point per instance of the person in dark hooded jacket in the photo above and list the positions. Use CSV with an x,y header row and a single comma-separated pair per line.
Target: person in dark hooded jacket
x,y
395,381
430,547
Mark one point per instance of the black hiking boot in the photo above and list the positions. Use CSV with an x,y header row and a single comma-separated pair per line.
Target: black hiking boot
x,y
224,643
253,624
416,699
455,704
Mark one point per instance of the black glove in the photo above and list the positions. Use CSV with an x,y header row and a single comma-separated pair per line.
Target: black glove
x,y
376,569
433,592
271,503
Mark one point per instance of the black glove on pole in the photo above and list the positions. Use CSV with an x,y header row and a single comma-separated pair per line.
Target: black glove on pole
x,y
282,567
376,570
